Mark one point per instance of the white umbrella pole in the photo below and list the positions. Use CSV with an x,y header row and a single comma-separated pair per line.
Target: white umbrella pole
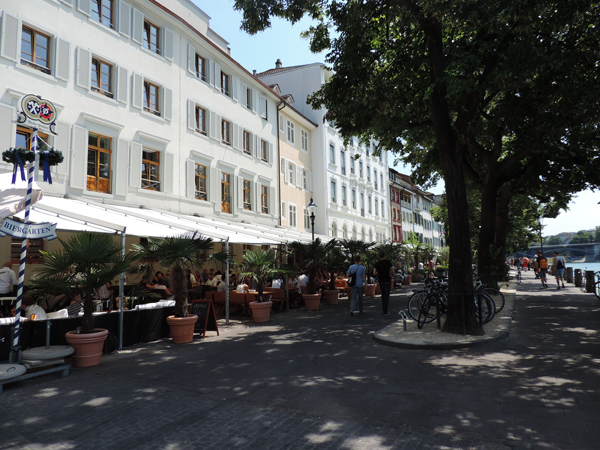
x,y
15,355
227,279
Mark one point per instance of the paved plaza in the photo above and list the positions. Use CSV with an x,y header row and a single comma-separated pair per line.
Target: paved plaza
x,y
319,380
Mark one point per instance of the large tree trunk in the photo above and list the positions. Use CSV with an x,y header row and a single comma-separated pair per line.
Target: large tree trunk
x,y
179,290
461,316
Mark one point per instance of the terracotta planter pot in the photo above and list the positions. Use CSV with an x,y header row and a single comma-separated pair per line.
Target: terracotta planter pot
x,y
370,290
182,328
311,301
406,280
261,312
332,296
377,288
88,347
416,277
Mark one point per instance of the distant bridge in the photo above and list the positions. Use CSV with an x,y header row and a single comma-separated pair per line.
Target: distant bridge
x,y
591,251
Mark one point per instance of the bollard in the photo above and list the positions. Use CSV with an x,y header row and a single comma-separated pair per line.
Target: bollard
x,y
404,319
569,274
578,277
589,281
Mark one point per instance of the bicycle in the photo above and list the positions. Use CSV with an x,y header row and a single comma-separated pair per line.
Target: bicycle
x,y
494,294
597,285
519,276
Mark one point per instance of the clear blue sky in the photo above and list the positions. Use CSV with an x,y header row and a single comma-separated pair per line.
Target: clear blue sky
x,y
283,41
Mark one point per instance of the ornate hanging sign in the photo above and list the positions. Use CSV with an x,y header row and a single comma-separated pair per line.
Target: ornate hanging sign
x,y
22,230
37,113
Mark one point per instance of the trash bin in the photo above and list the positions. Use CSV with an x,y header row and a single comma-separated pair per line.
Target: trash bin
x,y
578,277
569,274
589,281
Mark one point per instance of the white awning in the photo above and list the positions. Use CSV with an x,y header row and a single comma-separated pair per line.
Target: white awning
x,y
85,215
13,196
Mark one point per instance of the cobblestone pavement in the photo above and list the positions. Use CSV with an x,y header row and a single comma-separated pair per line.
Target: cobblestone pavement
x,y
318,380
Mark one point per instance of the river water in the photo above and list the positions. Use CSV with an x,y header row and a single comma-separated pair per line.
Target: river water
x,y
583,266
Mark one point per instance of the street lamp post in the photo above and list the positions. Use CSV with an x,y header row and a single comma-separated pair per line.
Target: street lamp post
x,y
312,209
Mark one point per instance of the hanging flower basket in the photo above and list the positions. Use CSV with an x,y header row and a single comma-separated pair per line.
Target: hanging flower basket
x,y
17,155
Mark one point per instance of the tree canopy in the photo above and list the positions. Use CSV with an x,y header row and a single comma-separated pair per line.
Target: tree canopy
x,y
495,91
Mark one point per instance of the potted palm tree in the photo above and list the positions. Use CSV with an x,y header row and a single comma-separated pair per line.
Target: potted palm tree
x,y
259,265
313,257
333,261
177,253
87,262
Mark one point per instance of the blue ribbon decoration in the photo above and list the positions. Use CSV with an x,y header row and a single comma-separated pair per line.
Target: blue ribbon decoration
x,y
18,165
46,166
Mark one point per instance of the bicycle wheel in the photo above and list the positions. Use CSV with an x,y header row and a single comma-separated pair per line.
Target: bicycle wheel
x,y
519,277
415,302
425,312
488,309
497,297
597,289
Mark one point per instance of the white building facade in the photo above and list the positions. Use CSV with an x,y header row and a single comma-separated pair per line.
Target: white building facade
x,y
349,182
152,110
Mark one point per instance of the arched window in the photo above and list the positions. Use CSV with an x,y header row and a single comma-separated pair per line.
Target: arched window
x,y
354,232
345,231
363,235
334,229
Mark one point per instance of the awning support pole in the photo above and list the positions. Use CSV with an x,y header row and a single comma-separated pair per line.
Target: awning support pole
x,y
227,281
121,293
287,292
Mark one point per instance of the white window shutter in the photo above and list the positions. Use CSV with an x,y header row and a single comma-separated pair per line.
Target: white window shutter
x,y
61,144
263,107
78,172
281,124
214,131
234,197
310,180
85,6
84,63
270,153
61,61
235,88
286,173
191,122
282,166
215,175
191,59
254,145
240,192
167,51
124,18
235,139
135,165
137,29
257,194
244,95
298,176
272,201
11,39
217,75
137,92
167,103
190,168
8,128
210,68
168,178
120,164
122,83
283,210
254,100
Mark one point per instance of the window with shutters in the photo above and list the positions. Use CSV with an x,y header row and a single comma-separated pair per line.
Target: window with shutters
x,y
375,179
102,77
362,204
225,84
201,120
225,192
370,203
103,12
292,220
292,172
151,37
226,132
264,199
353,198
200,176
246,143
283,211
150,169
381,180
291,133
331,153
360,169
344,200
247,195
352,165
151,98
368,173
377,209
200,67
306,219
249,98
264,151
35,49
98,165
333,189
304,140
343,161
305,179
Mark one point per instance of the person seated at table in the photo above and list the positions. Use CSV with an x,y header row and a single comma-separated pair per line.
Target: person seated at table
x,y
160,280
222,287
242,288
76,305
191,279
277,282
212,281
159,288
31,310
233,281
303,280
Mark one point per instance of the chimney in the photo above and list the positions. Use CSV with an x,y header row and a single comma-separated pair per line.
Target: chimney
x,y
254,72
278,64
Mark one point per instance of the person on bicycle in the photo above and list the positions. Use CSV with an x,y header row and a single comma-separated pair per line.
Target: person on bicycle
x,y
543,265
558,264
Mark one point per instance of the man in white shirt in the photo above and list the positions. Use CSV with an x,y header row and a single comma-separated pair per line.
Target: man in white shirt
x,y
303,280
8,278
212,280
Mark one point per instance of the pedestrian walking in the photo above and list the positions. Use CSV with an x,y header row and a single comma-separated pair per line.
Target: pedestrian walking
x,y
384,270
535,267
543,265
558,264
358,274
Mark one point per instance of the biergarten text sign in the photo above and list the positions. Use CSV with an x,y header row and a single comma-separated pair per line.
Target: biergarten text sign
x,y
28,231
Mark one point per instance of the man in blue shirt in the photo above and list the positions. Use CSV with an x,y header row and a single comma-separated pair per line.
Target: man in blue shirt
x,y
358,289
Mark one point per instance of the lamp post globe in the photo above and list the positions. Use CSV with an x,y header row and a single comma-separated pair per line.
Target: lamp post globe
x,y
312,209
